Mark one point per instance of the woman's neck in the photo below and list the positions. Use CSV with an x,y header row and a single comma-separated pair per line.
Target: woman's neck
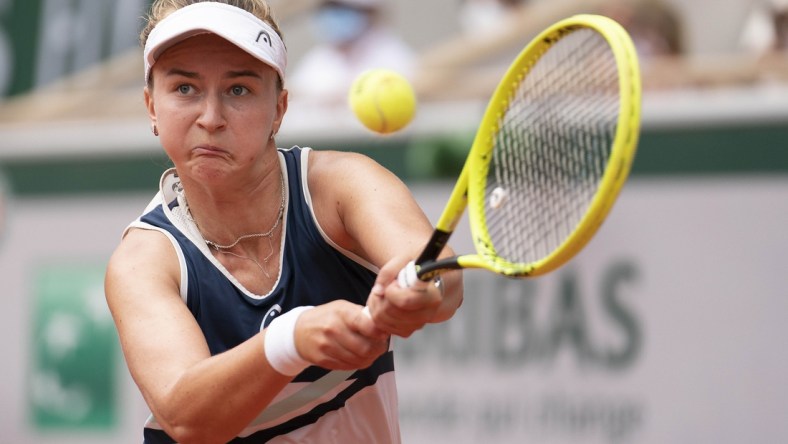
x,y
243,208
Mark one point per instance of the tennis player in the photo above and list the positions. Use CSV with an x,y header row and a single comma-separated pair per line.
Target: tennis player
x,y
239,294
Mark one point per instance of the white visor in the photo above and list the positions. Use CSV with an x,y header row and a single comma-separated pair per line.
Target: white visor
x,y
235,25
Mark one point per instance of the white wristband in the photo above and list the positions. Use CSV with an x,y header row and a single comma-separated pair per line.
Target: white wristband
x,y
280,349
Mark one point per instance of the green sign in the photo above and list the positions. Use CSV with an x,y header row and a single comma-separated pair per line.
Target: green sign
x,y
74,353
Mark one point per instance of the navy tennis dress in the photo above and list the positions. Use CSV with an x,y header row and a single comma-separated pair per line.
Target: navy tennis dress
x,y
318,405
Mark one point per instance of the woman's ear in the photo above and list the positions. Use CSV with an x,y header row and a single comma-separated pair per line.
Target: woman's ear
x,y
148,97
281,109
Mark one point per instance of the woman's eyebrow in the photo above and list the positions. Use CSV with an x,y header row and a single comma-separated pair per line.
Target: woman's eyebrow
x,y
181,72
229,75
243,73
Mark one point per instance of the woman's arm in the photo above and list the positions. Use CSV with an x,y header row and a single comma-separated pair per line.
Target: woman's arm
x,y
366,209
194,396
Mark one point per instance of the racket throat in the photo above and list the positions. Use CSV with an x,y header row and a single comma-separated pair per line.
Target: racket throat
x,y
430,270
434,246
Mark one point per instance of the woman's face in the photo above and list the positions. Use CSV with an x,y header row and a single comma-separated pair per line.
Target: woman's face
x,y
215,106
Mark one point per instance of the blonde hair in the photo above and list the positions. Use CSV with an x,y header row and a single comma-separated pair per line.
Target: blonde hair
x,y
162,8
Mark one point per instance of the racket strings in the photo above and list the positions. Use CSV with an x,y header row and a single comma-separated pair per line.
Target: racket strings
x,y
552,147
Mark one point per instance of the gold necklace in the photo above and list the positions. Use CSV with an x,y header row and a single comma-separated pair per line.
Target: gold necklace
x,y
265,259
268,234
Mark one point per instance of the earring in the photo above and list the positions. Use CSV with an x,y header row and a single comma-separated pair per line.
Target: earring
x,y
272,135
154,129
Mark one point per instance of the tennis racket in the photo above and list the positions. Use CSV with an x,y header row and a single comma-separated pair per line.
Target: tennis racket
x,y
554,148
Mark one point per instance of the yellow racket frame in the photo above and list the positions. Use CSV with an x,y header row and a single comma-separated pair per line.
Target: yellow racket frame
x,y
470,187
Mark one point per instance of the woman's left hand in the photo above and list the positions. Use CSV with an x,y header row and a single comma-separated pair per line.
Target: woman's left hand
x,y
402,311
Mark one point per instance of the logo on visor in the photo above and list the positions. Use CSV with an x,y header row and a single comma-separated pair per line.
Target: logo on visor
x,y
266,37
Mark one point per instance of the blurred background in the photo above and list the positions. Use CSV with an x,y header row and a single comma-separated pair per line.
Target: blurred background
x,y
668,328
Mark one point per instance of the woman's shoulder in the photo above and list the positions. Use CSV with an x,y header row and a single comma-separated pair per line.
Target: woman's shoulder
x,y
333,165
150,244
339,180
142,254
342,175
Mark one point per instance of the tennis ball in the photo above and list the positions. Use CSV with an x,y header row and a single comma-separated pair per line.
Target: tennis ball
x,y
382,100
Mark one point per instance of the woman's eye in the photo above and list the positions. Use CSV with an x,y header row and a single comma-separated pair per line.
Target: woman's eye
x,y
184,89
238,90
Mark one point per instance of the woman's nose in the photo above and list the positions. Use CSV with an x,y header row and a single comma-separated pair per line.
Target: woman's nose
x,y
212,116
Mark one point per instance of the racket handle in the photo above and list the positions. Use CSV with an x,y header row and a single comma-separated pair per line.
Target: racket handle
x,y
408,277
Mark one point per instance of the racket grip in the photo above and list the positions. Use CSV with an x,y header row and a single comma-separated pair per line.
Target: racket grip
x,y
408,277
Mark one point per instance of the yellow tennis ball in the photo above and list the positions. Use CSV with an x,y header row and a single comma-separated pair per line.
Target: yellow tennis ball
x,y
382,100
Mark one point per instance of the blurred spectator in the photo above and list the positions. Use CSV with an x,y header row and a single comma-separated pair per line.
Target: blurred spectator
x,y
655,27
766,28
486,15
353,37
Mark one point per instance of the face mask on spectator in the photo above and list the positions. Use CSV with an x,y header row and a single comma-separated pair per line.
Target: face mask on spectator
x,y
338,24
